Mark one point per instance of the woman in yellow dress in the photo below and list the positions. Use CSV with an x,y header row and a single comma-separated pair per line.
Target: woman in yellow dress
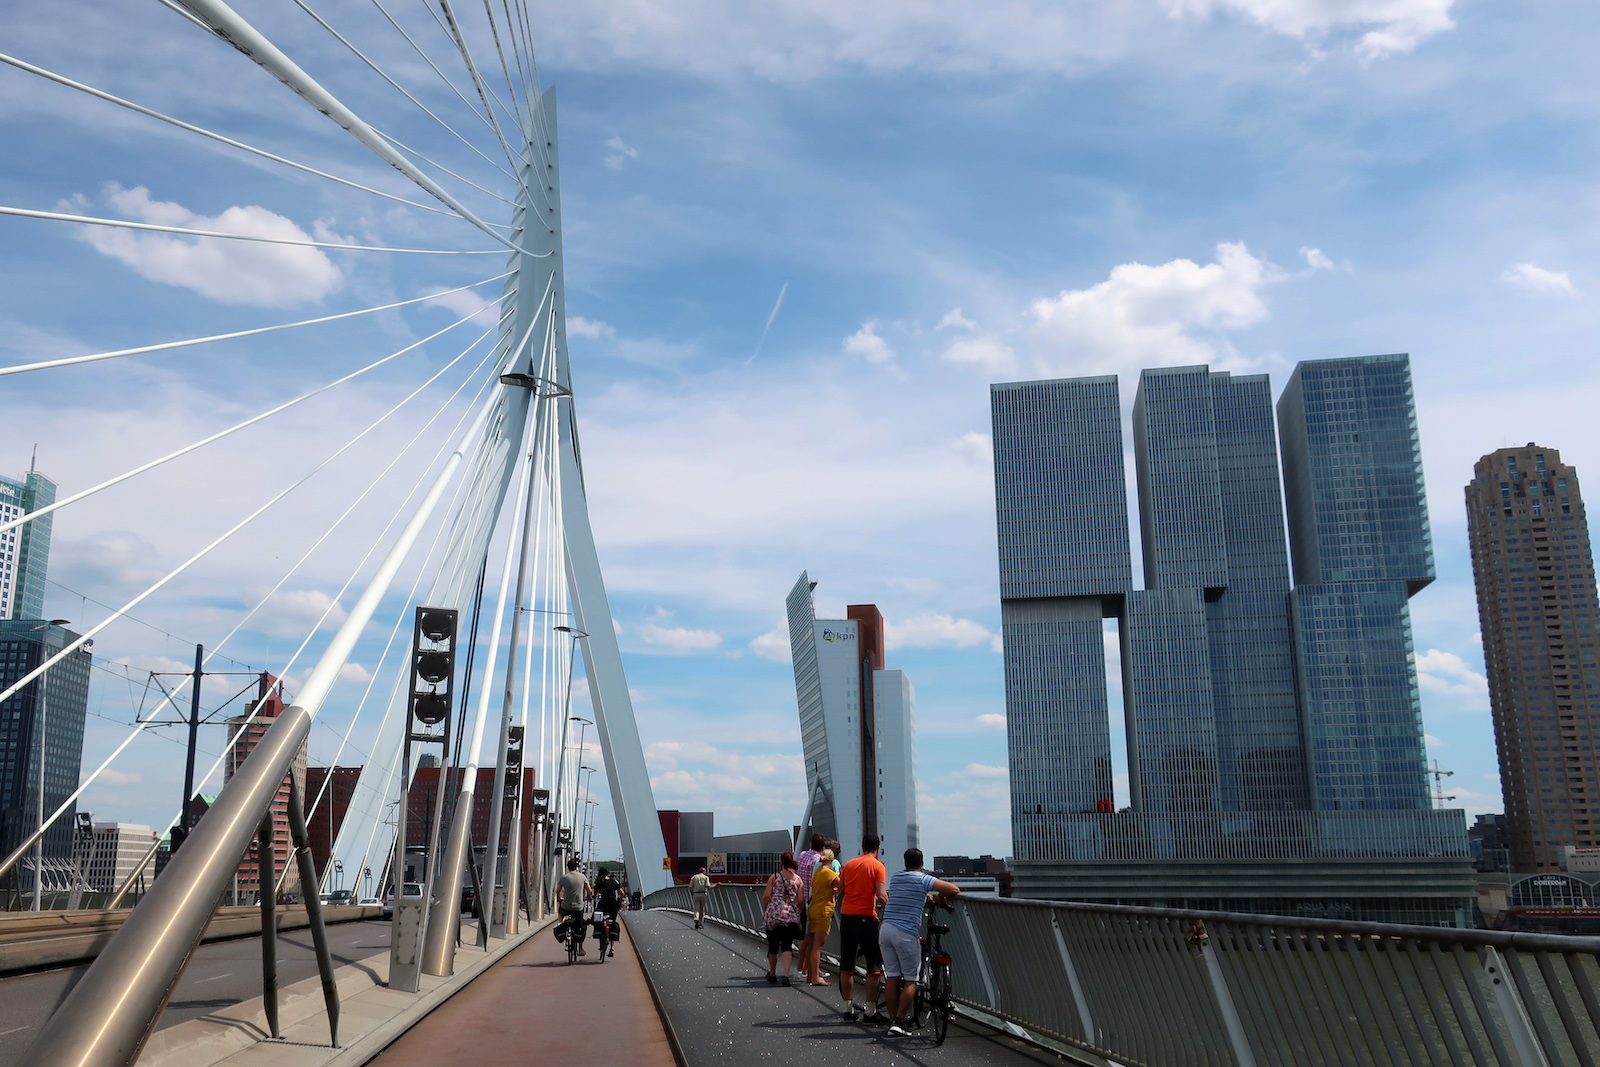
x,y
824,887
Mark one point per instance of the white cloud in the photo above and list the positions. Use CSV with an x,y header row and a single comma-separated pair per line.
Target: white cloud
x,y
983,770
1434,742
292,613
582,327
112,776
1538,280
1315,260
354,672
620,154
229,272
1144,316
935,631
991,721
112,561
774,644
985,351
866,344
954,318
1396,25
464,303
1449,675
679,640
976,448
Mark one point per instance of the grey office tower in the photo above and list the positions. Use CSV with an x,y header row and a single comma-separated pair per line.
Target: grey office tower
x,y
1274,736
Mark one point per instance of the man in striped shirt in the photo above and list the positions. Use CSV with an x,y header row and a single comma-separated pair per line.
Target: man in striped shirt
x,y
900,936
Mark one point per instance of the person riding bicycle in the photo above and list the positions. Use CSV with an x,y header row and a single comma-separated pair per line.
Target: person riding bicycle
x,y
572,889
900,936
607,903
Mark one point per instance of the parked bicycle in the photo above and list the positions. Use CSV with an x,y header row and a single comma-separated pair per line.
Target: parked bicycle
x,y
932,1004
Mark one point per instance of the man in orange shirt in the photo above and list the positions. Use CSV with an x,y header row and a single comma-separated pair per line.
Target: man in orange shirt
x,y
866,890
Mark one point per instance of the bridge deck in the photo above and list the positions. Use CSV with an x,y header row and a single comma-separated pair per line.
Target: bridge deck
x,y
533,1006
713,988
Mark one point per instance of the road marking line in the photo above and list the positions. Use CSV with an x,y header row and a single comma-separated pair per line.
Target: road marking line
x,y
218,978
14,1029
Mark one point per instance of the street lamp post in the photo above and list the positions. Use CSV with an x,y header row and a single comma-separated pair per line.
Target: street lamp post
x,y
42,691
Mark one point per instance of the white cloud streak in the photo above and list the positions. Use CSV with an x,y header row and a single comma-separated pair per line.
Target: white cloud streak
x,y
1534,279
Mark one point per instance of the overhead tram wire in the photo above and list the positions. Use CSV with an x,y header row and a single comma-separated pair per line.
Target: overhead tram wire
x,y
179,123
169,345
73,646
220,434
86,782
384,75
142,622
90,220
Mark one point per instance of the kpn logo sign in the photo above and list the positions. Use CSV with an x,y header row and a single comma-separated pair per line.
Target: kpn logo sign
x,y
838,635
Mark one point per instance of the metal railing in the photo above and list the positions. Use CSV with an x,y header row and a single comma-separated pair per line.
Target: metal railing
x,y
1154,987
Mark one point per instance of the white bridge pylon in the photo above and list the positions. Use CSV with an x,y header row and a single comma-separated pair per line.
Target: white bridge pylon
x,y
533,342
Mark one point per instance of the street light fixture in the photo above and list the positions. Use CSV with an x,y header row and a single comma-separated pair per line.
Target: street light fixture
x,y
42,692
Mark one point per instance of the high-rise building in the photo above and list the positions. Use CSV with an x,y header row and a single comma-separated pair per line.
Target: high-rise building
x,y
857,726
335,786
1534,569
1274,731
25,550
116,850
257,719
46,713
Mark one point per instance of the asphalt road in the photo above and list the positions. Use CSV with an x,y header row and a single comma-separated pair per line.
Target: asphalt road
x,y
218,974
713,989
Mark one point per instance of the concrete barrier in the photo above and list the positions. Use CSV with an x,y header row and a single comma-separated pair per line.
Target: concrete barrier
x,y
31,941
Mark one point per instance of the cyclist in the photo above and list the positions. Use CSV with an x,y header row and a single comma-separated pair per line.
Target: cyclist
x,y
571,891
607,903
900,940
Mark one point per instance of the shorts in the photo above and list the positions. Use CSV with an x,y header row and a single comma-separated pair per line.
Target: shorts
x,y
858,935
902,953
821,920
782,938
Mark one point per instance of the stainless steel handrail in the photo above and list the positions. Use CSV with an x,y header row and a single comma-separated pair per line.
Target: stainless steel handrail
x,y
111,1012
1162,987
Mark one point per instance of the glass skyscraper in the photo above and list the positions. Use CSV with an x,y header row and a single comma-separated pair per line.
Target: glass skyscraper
x,y
1272,729
24,551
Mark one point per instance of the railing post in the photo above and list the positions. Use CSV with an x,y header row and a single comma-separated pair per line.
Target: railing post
x,y
1072,979
979,953
1231,1023
1529,1049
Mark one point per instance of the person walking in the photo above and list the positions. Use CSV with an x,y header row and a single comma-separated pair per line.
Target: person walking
x,y
837,850
900,938
700,887
780,909
863,890
808,861
824,886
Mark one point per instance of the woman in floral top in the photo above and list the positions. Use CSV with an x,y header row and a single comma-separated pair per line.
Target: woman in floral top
x,y
781,912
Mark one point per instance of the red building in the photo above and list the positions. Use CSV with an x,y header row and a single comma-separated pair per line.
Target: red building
x,y
323,820
256,721
425,794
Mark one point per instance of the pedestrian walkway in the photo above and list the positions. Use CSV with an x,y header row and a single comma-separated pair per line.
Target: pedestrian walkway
x,y
534,1007
713,988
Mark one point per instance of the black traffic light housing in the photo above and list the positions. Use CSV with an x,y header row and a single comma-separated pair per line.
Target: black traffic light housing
x,y
433,665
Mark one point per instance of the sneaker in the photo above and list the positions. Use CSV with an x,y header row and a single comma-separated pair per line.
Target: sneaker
x,y
784,981
850,1014
896,1030
877,1018
772,979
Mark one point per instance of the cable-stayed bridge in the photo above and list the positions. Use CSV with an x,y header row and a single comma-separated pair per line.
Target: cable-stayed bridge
x,y
490,522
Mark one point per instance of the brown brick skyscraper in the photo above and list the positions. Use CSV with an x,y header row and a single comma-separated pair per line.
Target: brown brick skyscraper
x,y
1536,604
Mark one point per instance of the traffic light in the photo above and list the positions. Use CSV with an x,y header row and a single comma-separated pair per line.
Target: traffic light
x,y
433,665
513,761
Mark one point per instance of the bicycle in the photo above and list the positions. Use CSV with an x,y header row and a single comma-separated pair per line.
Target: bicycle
x,y
932,1002
576,930
602,932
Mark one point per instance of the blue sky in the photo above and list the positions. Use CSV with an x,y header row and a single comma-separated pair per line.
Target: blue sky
x,y
946,194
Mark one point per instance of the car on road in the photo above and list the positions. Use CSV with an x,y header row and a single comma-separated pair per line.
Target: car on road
x,y
338,897
412,891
